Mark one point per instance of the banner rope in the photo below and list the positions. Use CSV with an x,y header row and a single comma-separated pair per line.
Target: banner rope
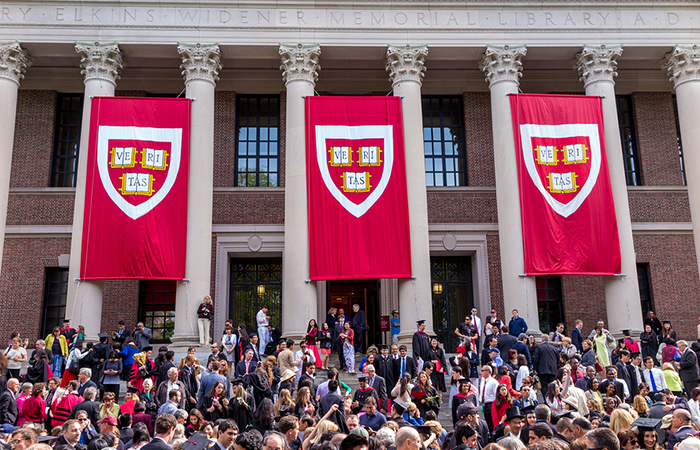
x,y
415,297
187,304
75,300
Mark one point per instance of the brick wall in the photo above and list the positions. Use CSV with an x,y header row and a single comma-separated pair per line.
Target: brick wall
x,y
40,209
479,139
120,301
584,298
674,279
33,142
224,139
659,206
248,207
494,252
446,206
657,139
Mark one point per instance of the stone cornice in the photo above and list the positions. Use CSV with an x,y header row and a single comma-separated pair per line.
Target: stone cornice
x,y
101,61
503,63
200,62
406,63
300,62
683,64
14,61
597,63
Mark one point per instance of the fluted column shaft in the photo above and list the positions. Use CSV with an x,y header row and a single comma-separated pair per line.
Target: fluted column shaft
x,y
101,65
597,67
201,65
406,66
299,302
13,63
683,66
503,70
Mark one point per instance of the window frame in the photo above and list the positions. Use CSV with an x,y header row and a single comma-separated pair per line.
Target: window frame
x,y
632,177
63,292
258,156
645,288
461,172
446,303
552,283
255,300
170,289
55,157
679,141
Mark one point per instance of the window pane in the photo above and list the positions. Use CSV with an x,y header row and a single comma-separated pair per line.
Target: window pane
x,y
67,139
452,296
156,302
257,137
254,283
628,139
443,134
55,288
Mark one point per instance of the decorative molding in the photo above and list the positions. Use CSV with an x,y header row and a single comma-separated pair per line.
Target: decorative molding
x,y
503,63
406,63
300,62
14,61
42,191
200,62
102,61
597,63
683,64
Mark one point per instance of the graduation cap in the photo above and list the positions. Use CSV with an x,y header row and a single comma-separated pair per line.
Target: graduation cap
x,y
625,332
528,410
400,405
620,341
667,322
147,349
48,438
463,381
236,381
195,442
424,430
132,390
361,377
383,347
102,335
647,424
420,322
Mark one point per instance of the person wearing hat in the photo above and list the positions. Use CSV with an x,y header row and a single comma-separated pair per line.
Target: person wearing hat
x,y
287,381
395,323
384,365
67,330
242,405
142,368
398,407
468,414
464,394
421,345
362,394
514,419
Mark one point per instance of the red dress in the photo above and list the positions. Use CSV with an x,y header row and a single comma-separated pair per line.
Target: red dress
x,y
311,345
505,379
498,413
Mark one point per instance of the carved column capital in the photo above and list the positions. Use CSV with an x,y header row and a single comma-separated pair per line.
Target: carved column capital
x,y
14,61
597,63
683,64
101,61
200,62
406,63
503,63
300,62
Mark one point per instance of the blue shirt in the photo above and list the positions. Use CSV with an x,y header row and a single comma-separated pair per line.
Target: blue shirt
x,y
168,407
374,422
517,326
395,325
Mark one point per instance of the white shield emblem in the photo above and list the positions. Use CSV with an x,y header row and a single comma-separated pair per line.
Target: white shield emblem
x,y
154,164
564,166
353,182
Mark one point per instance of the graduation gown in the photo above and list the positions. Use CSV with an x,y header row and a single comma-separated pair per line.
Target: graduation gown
x,y
360,395
385,369
457,400
240,414
421,346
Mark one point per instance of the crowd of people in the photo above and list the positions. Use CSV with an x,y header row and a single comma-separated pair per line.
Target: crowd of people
x,y
506,389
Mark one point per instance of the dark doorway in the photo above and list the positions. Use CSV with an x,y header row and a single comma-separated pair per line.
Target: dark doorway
x,y
254,283
343,294
453,296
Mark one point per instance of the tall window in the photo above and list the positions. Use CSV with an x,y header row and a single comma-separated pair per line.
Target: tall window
x,y
678,138
257,140
254,283
69,116
629,140
55,290
443,140
451,280
157,308
644,279
549,302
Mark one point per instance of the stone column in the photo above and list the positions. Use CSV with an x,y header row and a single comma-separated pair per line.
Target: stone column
x,y
101,64
683,67
406,67
597,67
13,63
299,303
200,69
503,70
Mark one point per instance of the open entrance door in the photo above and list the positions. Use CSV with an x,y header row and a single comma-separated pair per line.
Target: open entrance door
x,y
343,294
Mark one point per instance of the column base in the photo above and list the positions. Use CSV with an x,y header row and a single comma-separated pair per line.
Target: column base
x,y
180,343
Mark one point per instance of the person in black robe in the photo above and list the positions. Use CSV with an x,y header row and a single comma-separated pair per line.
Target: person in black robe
x,y
330,399
437,357
649,343
461,397
364,392
421,345
39,371
241,406
384,365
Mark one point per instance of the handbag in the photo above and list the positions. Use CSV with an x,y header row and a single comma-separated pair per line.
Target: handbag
x,y
74,366
208,315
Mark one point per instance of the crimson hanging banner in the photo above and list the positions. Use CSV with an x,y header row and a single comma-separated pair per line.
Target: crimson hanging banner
x,y
568,214
135,223
356,188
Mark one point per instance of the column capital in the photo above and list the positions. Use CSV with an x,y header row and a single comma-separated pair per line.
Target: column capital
x,y
683,64
503,63
201,62
14,61
406,63
300,62
597,63
101,61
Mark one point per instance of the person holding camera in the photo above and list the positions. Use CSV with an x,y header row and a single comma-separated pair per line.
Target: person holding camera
x,y
205,314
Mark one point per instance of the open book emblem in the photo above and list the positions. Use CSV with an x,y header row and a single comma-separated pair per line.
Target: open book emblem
x,y
563,162
355,163
138,165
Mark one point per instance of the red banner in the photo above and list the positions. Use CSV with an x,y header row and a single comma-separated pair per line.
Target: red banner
x,y
135,223
568,214
356,188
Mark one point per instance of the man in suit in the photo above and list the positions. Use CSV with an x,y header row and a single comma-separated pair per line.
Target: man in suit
x,y
253,345
309,374
378,384
611,374
165,367
8,405
577,337
188,377
328,401
142,336
545,361
359,325
100,354
85,382
121,333
247,365
208,382
405,364
673,402
40,345
338,342
228,430
165,429
522,348
689,370
89,405
622,370
680,422
505,342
